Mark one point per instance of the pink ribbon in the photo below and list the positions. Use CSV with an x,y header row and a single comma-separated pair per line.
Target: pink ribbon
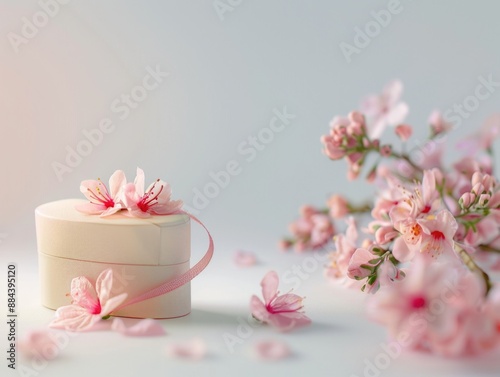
x,y
180,280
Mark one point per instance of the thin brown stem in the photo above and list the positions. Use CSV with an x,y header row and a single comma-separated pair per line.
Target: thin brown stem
x,y
359,209
404,156
489,249
472,266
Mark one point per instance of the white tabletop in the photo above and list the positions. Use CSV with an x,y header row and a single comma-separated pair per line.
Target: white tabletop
x,y
340,342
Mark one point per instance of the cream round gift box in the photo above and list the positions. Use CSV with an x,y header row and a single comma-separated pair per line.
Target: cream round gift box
x,y
143,253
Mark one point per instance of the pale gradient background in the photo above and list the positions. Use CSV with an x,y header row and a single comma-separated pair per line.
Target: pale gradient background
x,y
226,77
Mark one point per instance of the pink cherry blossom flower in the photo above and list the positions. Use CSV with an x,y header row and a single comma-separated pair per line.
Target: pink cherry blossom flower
x,y
385,234
271,350
423,200
467,166
40,344
385,109
438,124
89,305
438,232
437,307
404,131
144,327
482,140
155,200
430,155
496,267
281,311
345,246
408,243
103,202
192,350
431,235
245,258
489,131
486,231
339,206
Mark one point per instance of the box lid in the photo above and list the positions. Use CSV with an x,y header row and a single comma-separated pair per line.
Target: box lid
x,y
64,232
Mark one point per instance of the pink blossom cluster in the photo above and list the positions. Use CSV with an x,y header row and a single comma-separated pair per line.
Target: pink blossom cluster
x,y
133,197
315,227
348,139
311,231
432,233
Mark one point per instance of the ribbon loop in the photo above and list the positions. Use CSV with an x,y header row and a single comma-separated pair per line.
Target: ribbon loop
x,y
180,280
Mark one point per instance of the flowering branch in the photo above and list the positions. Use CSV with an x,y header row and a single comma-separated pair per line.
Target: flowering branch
x,y
427,225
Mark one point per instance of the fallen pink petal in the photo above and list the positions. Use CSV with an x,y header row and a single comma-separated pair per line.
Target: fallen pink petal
x,y
271,350
144,327
39,344
245,258
194,349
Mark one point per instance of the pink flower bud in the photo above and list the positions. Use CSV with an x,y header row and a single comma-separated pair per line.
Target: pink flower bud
x,y
438,124
355,129
307,211
467,199
386,150
495,200
484,200
300,247
284,245
477,177
359,258
333,151
488,182
388,273
384,172
373,287
339,206
438,176
353,172
404,131
355,157
338,121
356,117
478,189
